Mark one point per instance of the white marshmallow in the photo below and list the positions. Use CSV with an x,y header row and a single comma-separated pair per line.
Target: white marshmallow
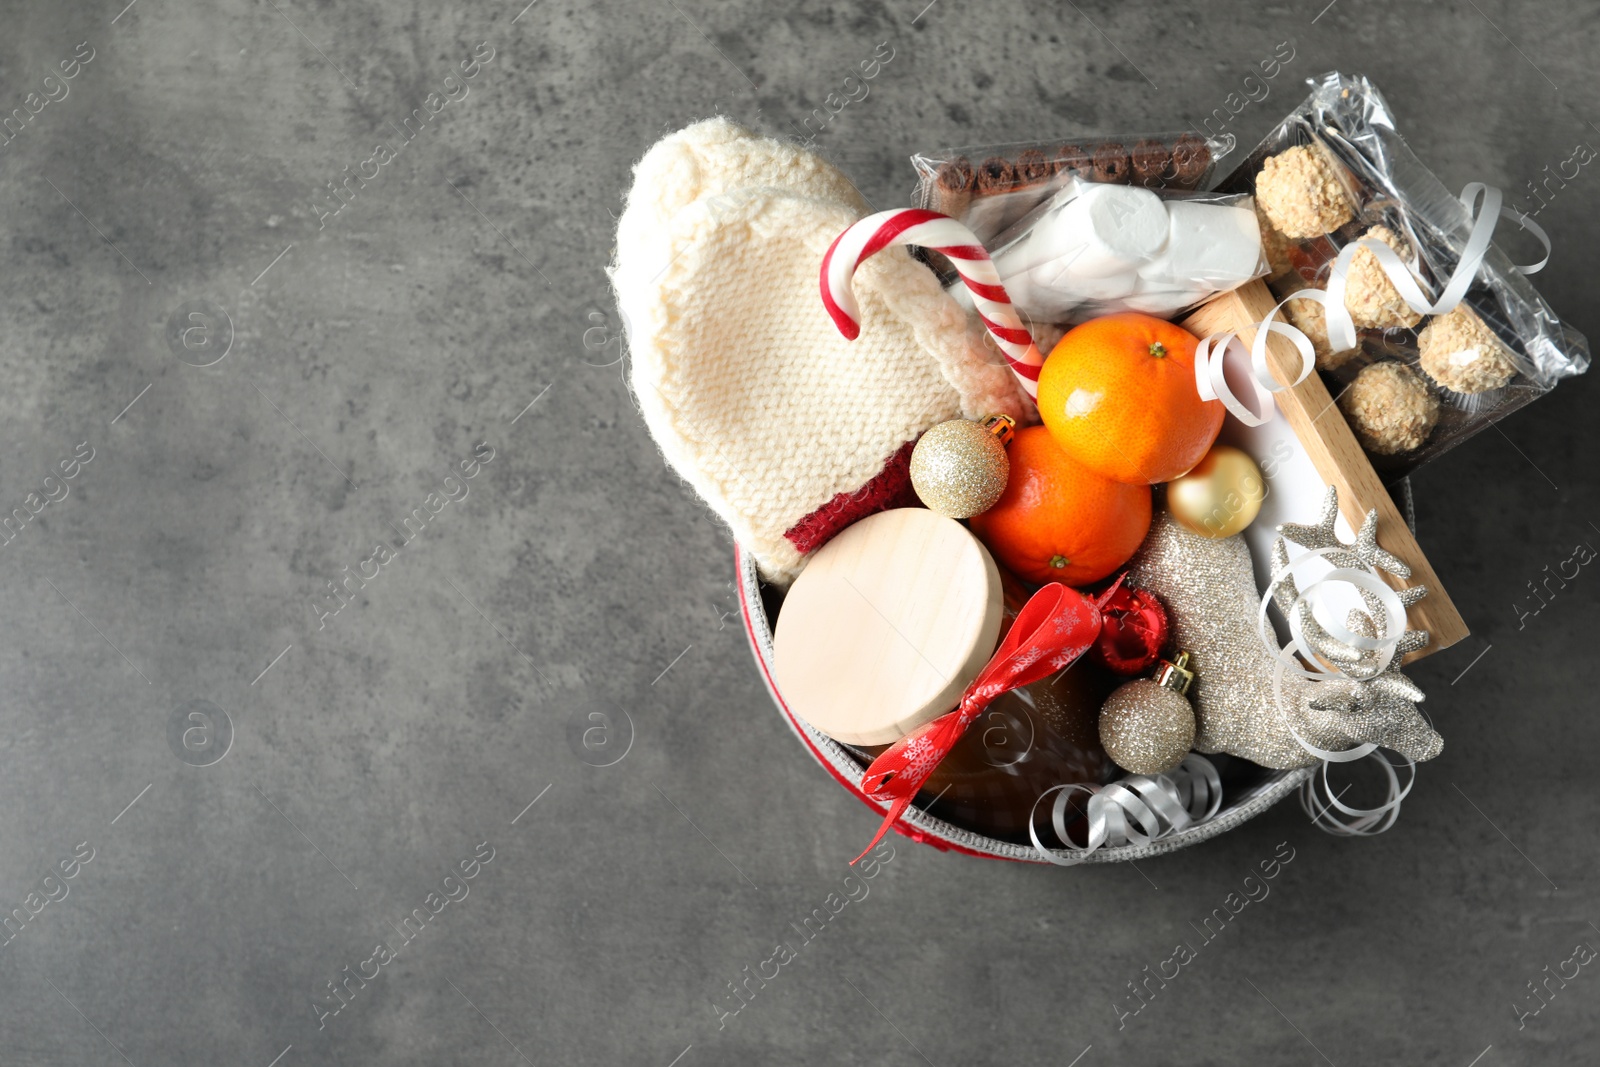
x,y
1060,276
1036,294
1164,298
1209,246
1099,249
1041,244
1109,229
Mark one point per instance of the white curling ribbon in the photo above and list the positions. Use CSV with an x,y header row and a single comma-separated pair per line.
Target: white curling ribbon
x,y
1394,612
1483,224
1137,810
1212,351
1364,822
1210,368
1363,580
1342,328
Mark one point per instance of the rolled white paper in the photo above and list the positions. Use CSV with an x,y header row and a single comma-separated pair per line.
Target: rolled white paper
x,y
1210,246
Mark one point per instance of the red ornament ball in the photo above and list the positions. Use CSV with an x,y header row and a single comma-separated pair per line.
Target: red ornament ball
x,y
1133,633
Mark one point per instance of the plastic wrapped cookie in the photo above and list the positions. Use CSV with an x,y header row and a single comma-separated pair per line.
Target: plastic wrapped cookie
x,y
1301,195
1390,408
1462,354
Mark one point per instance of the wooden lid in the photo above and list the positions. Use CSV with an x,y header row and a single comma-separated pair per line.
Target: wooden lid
x,y
886,626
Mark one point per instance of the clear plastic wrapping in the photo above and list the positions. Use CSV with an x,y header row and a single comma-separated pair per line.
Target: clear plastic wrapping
x,y
1095,249
991,187
1335,171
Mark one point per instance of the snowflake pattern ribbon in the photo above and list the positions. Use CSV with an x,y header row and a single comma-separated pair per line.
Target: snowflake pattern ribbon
x,y
1054,628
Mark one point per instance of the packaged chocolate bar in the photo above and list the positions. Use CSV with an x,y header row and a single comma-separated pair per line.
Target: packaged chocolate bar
x,y
1441,333
991,187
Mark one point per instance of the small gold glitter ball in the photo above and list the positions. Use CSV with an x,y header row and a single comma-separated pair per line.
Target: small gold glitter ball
x,y
1146,728
1220,496
959,468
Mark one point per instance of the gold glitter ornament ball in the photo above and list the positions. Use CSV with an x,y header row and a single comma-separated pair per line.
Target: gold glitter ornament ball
x,y
1146,727
1220,496
959,468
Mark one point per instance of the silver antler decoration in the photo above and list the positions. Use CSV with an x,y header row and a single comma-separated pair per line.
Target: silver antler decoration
x,y
1364,554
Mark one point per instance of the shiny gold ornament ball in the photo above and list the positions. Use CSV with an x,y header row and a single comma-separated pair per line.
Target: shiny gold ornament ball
x,y
1146,728
959,468
1220,496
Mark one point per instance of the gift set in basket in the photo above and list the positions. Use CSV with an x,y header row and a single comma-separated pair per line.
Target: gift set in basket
x,y
1070,504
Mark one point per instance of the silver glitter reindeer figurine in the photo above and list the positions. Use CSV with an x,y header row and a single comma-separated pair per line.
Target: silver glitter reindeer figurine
x,y
1208,586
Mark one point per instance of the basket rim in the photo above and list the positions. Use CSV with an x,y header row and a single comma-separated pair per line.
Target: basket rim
x,y
920,826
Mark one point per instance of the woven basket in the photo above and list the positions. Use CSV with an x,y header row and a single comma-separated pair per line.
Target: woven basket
x,y
920,826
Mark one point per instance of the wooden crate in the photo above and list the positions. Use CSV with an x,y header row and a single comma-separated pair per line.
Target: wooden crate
x,y
1338,457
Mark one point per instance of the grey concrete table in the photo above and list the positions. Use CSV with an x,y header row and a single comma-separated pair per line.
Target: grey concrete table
x,y
256,380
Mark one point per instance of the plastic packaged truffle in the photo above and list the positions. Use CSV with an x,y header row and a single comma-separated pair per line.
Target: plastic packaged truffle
x,y
1413,386
991,187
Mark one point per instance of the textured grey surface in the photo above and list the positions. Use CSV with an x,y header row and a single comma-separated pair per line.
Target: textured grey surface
x,y
580,576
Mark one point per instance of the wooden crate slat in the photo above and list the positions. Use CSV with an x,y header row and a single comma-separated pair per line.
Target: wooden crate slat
x,y
1338,457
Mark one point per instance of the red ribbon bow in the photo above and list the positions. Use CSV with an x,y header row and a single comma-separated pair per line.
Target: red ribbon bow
x,y
1054,628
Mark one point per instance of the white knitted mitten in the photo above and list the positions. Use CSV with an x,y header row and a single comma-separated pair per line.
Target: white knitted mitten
x,y
788,431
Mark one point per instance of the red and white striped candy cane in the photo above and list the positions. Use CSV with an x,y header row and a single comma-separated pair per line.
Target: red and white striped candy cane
x,y
929,229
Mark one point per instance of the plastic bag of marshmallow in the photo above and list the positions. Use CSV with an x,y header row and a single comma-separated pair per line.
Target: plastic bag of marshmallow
x,y
1096,249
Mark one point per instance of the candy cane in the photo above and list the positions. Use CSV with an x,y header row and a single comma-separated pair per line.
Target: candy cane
x,y
929,229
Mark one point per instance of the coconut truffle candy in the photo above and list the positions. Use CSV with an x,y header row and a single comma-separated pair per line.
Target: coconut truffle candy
x,y
1390,408
1462,354
1311,319
1274,244
1301,195
1372,299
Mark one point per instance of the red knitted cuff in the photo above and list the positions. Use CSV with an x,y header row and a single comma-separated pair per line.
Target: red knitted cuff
x,y
889,488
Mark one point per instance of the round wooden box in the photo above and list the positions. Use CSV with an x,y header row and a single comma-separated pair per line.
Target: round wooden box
x,y
920,826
